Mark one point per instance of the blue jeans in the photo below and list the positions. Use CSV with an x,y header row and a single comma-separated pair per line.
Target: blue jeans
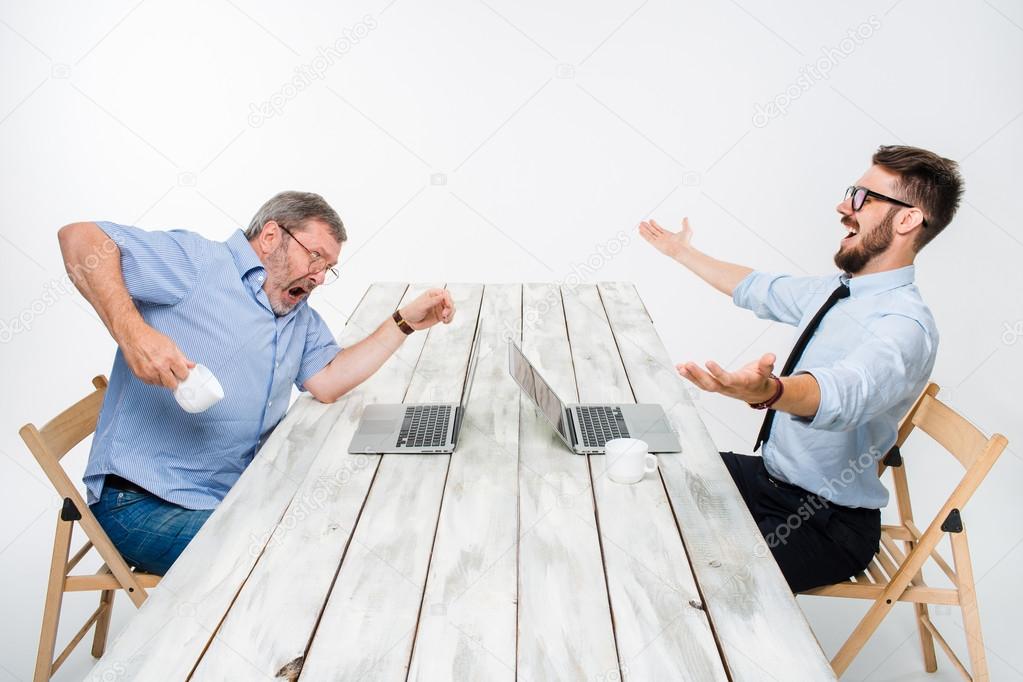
x,y
150,532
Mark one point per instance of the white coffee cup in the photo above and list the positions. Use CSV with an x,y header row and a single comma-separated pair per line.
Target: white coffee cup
x,y
199,391
628,460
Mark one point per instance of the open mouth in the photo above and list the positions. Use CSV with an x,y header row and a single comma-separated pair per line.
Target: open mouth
x,y
852,231
297,293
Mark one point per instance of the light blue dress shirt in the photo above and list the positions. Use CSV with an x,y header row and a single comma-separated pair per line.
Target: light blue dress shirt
x,y
207,297
871,356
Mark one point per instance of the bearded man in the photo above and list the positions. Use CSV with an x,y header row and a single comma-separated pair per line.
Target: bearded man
x,y
864,353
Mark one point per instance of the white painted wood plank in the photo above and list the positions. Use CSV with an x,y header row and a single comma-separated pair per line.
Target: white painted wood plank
x,y
661,634
170,631
368,624
467,624
756,620
565,629
294,575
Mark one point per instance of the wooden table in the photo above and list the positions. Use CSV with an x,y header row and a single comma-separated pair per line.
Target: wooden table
x,y
512,558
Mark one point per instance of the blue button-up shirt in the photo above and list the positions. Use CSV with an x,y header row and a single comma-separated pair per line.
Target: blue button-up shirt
x,y
871,356
208,298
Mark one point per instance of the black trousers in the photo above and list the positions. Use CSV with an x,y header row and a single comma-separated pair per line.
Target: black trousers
x,y
815,542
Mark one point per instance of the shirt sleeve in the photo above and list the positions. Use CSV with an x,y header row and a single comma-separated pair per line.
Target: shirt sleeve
x,y
782,298
160,268
875,376
320,349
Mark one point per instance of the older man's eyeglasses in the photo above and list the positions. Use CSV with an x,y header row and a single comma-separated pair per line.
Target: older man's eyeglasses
x,y
859,197
317,263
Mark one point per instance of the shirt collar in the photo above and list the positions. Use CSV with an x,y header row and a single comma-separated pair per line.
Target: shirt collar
x,y
252,272
245,258
879,282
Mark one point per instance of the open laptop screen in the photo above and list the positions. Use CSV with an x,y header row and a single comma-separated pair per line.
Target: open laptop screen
x,y
470,374
538,390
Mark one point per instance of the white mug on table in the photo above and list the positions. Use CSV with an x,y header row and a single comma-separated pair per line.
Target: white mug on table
x,y
628,460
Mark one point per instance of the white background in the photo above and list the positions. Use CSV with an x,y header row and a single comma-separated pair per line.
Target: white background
x,y
497,141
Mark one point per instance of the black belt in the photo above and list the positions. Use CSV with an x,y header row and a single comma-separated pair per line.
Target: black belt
x,y
117,483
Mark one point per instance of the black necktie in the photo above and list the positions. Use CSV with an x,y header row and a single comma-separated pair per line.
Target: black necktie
x,y
797,351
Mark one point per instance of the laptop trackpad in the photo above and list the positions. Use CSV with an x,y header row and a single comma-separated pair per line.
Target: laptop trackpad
x,y
648,422
376,427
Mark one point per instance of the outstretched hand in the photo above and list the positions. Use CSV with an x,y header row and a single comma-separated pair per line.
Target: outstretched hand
x,y
429,308
752,383
671,244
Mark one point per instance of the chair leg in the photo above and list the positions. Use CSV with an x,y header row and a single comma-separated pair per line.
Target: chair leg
x,y
54,598
99,640
926,640
866,627
968,603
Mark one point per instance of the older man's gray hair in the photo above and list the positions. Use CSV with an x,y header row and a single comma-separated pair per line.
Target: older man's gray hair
x,y
292,210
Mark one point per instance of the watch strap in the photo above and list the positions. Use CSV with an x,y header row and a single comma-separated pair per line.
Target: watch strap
x,y
402,324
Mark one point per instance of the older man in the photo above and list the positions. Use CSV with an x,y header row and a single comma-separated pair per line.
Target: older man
x,y
866,347
173,299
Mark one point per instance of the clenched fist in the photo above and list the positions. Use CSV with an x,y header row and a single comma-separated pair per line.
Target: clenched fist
x,y
155,358
429,308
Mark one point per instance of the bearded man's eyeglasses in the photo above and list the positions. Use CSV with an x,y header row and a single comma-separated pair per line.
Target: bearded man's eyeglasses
x,y
859,196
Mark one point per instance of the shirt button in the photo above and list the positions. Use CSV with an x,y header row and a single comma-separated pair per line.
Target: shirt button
x,y
277,365
270,403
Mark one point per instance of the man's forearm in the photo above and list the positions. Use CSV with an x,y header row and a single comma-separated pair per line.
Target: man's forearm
x,y
719,274
93,262
355,364
801,397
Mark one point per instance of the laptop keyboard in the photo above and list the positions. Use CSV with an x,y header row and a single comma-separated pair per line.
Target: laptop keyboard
x,y
425,426
600,423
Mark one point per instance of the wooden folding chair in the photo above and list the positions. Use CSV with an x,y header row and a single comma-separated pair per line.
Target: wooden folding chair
x,y
49,444
895,573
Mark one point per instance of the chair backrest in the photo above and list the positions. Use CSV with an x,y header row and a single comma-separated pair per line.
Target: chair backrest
x,y
59,435
70,427
49,444
949,429
972,449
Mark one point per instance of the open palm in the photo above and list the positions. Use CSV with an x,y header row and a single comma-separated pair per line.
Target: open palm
x,y
669,243
751,383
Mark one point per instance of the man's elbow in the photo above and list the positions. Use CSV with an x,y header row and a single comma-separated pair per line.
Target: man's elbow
x,y
66,236
323,394
325,398
71,235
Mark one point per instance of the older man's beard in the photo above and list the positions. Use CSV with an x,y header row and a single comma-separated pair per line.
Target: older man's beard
x,y
873,243
277,264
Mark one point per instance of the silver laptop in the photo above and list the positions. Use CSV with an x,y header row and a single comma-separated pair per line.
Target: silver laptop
x,y
415,427
586,427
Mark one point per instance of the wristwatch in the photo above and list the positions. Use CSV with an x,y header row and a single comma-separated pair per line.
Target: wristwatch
x,y
773,399
402,324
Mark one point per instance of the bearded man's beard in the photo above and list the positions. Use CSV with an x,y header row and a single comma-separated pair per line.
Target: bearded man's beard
x,y
854,258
